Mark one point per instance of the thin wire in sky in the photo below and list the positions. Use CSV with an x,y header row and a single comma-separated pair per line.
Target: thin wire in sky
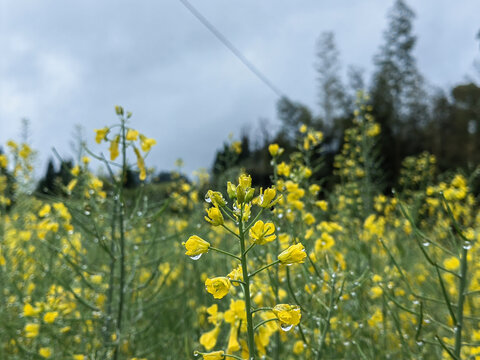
x,y
232,48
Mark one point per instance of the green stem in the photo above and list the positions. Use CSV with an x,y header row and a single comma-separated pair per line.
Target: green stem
x,y
248,249
254,220
329,316
225,253
230,231
121,290
262,309
264,267
264,322
246,289
461,299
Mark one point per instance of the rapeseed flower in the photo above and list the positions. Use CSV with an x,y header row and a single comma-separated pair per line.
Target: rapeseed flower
x,y
293,255
214,216
287,314
218,286
195,246
262,233
101,134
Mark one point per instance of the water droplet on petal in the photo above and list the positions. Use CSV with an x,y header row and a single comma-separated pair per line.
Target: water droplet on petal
x,y
196,257
286,327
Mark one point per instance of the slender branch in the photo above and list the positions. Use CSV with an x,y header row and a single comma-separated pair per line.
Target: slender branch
x,y
230,231
264,322
263,268
262,309
225,253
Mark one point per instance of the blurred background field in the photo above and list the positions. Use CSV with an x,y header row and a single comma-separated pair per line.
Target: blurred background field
x,y
379,182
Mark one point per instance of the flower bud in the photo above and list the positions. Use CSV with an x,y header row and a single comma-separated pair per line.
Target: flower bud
x,y
119,110
214,216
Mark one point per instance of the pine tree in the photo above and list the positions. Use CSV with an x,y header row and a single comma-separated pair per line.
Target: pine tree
x,y
398,94
330,88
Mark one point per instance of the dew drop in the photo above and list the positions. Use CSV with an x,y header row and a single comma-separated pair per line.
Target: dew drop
x,y
87,212
196,257
420,343
426,244
467,245
286,327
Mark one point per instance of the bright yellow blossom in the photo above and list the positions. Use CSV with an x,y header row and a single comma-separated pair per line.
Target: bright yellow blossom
x,y
196,246
209,339
31,330
45,352
214,216
218,286
50,317
101,134
114,148
132,135
293,255
287,314
262,233
146,143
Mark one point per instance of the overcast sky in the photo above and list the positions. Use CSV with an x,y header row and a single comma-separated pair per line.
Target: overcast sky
x,y
70,62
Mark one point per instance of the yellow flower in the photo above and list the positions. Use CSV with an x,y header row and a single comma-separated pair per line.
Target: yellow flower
x,y
265,199
452,263
96,279
71,185
233,344
114,148
146,143
45,210
244,190
3,161
214,216
292,255
140,164
283,169
29,310
237,147
216,198
218,286
45,352
50,316
196,246
236,274
298,347
289,315
31,330
79,357
376,292
25,151
132,135
303,129
101,134
262,233
209,339
275,150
